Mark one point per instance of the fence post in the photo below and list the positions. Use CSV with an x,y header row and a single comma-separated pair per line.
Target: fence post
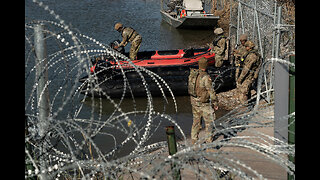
x,y
42,90
291,120
172,145
281,94
42,77
28,166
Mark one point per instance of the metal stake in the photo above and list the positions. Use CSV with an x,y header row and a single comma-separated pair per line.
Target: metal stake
x,y
42,90
281,94
292,104
42,77
171,139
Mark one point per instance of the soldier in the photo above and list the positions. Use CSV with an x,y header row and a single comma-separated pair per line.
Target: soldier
x,y
250,71
129,35
202,95
172,5
239,53
219,47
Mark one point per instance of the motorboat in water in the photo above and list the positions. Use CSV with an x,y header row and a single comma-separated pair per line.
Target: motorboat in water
x,y
116,78
190,15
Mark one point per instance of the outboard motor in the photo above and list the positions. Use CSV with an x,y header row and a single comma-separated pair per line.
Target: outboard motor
x,y
115,44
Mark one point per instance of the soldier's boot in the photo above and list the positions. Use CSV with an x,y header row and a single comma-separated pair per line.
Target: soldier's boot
x,y
208,141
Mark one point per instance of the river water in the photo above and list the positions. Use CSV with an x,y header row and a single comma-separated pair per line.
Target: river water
x,y
96,19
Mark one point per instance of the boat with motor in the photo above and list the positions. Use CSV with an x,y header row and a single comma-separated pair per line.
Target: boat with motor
x,y
190,15
173,66
158,58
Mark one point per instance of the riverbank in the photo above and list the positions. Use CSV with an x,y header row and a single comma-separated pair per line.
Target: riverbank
x,y
250,153
229,100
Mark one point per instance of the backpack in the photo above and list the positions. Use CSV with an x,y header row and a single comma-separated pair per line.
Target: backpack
x,y
194,73
192,81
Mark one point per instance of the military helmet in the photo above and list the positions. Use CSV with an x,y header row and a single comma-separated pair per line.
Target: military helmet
x,y
117,26
243,37
218,31
249,44
203,63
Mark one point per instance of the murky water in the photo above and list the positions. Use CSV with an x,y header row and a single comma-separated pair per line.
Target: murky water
x,y
96,19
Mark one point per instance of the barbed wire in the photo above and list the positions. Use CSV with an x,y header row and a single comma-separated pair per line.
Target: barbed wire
x,y
70,149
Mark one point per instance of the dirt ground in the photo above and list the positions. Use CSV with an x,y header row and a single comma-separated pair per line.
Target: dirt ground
x,y
254,163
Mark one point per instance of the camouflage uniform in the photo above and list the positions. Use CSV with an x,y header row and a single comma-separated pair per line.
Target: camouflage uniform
x,y
249,73
201,105
219,47
130,35
219,51
239,53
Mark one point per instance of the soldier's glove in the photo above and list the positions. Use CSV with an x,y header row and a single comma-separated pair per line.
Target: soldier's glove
x,y
215,105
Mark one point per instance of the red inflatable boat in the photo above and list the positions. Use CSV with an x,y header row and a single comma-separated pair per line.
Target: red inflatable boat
x,y
173,66
181,57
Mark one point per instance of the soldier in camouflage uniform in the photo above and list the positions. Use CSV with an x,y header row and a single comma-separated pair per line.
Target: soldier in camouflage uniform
x,y
250,71
129,35
239,53
219,47
172,5
202,98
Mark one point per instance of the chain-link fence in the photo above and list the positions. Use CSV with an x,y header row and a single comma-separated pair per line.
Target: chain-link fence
x,y
68,145
260,20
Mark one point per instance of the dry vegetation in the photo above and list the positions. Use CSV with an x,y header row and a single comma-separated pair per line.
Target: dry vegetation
x,y
224,13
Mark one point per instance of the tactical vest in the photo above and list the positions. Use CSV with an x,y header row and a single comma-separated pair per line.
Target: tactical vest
x,y
217,39
130,33
256,66
255,51
226,47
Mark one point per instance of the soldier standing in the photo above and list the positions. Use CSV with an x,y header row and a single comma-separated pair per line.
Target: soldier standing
x,y
250,71
172,5
129,35
219,47
202,95
239,53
